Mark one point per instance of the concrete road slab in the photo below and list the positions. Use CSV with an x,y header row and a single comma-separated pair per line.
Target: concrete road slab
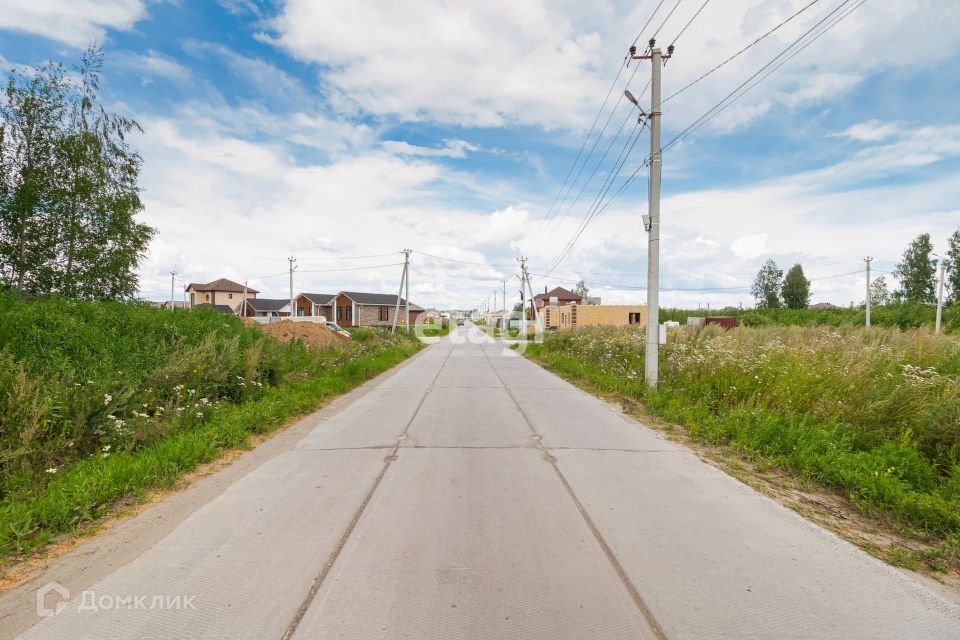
x,y
517,376
246,558
375,420
478,376
570,418
476,417
715,559
498,551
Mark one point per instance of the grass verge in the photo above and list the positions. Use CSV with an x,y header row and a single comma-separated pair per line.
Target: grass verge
x,y
872,415
90,488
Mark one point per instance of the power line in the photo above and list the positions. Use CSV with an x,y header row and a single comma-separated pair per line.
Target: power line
x,y
738,53
689,22
374,266
482,264
789,51
665,19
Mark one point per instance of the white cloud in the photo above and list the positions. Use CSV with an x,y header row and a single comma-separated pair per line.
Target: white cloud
x,y
151,64
750,246
450,149
871,131
73,22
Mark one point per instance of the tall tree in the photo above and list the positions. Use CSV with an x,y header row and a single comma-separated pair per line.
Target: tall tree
x,y
879,292
69,195
766,286
796,288
581,289
917,273
30,121
953,267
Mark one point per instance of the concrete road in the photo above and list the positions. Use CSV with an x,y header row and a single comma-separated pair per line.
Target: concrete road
x,y
472,495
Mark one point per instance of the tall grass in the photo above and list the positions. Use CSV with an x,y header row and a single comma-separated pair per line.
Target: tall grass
x,y
904,316
875,413
98,400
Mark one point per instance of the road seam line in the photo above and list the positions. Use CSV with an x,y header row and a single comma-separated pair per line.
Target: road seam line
x,y
611,557
342,542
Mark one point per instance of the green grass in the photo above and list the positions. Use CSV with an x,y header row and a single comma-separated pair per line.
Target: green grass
x,y
434,331
166,392
875,414
903,316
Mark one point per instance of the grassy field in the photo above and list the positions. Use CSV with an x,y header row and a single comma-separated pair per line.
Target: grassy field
x,y
903,316
875,414
103,401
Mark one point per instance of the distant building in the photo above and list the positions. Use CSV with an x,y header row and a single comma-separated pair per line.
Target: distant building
x,y
575,315
359,309
266,308
563,297
219,292
822,305
315,304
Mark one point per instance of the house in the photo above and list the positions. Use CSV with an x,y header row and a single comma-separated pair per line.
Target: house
x,y
499,319
222,308
266,308
822,305
358,309
588,315
315,304
564,297
219,292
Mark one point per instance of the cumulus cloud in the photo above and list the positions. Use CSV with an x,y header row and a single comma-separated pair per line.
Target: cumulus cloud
x,y
73,22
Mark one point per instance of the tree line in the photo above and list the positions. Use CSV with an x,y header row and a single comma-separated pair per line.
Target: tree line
x,y
69,192
916,273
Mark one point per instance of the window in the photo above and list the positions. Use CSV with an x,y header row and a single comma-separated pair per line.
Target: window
x,y
349,314
384,314
339,309
207,296
634,318
193,299
230,296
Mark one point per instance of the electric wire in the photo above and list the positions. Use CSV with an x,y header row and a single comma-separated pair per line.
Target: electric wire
x,y
673,43
654,36
741,51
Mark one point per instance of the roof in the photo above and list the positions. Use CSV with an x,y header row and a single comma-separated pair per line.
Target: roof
x,y
559,293
222,308
267,304
319,298
377,298
822,305
221,284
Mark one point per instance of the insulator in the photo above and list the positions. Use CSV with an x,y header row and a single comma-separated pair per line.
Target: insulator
x,y
670,50
633,50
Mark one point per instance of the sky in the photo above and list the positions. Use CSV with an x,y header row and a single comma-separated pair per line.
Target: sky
x,y
340,133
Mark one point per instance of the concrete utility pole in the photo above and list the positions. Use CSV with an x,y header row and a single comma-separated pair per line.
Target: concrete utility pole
x,y
243,302
292,310
533,304
939,297
503,281
406,281
651,368
173,275
403,279
868,259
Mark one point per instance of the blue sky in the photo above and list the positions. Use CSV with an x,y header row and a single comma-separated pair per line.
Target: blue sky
x,y
340,133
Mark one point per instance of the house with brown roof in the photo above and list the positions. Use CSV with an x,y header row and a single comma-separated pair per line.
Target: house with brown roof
x,y
219,292
564,297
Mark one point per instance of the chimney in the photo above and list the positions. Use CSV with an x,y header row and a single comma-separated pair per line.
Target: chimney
x,y
544,289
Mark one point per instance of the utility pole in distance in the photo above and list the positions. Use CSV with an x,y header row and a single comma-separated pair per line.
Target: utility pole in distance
x,y
651,368
868,259
173,275
292,260
939,297
406,282
503,281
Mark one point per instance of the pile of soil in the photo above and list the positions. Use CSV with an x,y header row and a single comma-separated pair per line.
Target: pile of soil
x,y
313,335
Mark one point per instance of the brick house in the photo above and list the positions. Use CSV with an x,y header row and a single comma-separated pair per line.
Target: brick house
x,y
219,292
267,308
315,304
358,309
564,297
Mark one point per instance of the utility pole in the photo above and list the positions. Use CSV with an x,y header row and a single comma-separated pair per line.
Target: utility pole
x,y
403,280
651,368
406,281
173,275
868,260
939,297
535,315
503,282
292,260
243,303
